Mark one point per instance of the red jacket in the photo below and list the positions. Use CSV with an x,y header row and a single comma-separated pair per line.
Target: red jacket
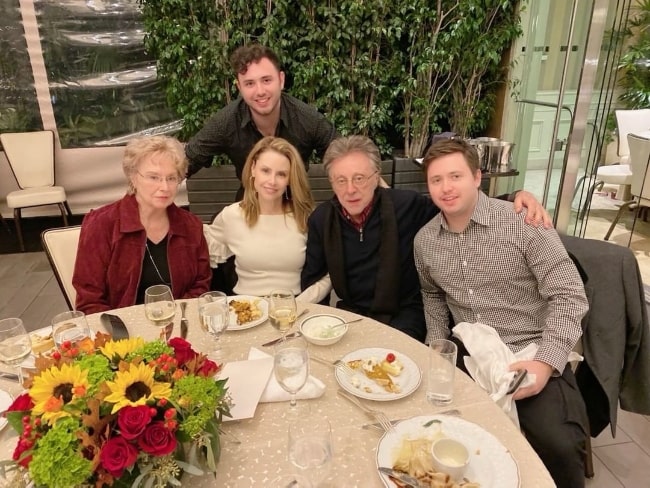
x,y
111,249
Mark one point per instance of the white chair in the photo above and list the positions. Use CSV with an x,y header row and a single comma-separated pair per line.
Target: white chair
x,y
639,158
61,248
31,159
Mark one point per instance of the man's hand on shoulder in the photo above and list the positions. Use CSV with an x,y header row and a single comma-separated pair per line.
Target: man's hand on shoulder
x,y
536,213
542,372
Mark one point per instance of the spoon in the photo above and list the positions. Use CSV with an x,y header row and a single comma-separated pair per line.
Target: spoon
x,y
336,326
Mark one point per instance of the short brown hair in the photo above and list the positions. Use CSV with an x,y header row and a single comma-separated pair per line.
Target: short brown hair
x,y
252,53
452,146
141,148
342,146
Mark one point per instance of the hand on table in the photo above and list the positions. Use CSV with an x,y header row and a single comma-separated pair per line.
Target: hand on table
x,y
542,372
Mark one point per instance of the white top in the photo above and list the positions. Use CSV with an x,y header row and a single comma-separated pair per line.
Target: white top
x,y
268,256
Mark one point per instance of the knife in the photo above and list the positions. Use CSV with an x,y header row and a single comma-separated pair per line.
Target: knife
x,y
9,376
288,336
184,323
409,481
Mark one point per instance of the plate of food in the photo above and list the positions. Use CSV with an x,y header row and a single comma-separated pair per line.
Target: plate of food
x,y
247,311
408,449
5,402
379,374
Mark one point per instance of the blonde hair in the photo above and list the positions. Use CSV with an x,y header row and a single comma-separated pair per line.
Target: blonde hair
x,y
137,150
299,202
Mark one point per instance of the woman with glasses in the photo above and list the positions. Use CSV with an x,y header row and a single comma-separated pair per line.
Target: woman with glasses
x,y
143,239
266,232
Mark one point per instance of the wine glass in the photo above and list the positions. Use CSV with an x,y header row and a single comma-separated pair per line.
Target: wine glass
x,y
214,313
69,329
15,344
291,366
282,310
310,446
159,308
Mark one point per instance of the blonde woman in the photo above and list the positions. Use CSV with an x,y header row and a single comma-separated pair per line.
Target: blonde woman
x,y
143,239
266,232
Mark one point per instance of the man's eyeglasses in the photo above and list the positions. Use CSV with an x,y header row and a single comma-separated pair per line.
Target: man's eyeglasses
x,y
157,180
358,181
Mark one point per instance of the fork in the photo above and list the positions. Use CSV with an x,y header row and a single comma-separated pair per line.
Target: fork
x,y
380,417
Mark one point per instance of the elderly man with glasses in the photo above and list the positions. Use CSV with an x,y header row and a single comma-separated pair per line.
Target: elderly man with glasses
x,y
363,238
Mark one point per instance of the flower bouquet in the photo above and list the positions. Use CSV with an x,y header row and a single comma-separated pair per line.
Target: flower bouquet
x,y
118,413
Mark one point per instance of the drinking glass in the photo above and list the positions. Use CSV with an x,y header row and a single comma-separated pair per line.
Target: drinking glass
x,y
15,344
214,313
291,366
282,309
69,328
442,367
310,446
159,307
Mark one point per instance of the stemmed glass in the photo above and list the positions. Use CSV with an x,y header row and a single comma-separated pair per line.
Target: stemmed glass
x,y
282,310
310,446
213,315
159,308
15,344
291,366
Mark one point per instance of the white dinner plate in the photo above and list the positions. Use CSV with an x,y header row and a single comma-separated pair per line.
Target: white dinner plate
x,y
261,303
408,380
490,464
5,402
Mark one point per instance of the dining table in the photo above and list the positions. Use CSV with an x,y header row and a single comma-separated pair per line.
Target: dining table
x,y
254,450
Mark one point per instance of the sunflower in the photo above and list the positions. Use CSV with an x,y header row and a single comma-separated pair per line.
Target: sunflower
x,y
54,388
122,347
135,386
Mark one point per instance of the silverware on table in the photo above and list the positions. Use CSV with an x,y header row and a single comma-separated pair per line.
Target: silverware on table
x,y
279,339
184,323
5,375
408,480
453,412
379,416
345,323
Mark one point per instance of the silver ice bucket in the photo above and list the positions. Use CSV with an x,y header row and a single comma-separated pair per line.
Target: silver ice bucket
x,y
495,155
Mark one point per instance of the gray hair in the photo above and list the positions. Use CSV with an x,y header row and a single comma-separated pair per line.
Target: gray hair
x,y
137,150
343,146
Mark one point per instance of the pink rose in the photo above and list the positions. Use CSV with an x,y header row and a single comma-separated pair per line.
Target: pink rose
x,y
117,455
208,368
157,440
183,351
133,420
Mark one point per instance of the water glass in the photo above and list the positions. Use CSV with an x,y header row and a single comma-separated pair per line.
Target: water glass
x,y
442,368
310,446
291,365
69,328
159,308
282,309
15,344
214,314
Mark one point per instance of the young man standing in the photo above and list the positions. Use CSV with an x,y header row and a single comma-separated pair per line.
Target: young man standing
x,y
478,260
261,110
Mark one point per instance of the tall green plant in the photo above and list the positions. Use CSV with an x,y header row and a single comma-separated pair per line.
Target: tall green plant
x,y
635,62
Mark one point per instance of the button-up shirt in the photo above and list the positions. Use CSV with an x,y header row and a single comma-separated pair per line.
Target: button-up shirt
x,y
502,272
232,131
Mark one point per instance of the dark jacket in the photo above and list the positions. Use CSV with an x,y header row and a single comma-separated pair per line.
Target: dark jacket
x,y
361,257
616,340
111,249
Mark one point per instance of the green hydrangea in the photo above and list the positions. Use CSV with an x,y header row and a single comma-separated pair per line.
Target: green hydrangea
x,y
57,463
99,370
199,397
151,350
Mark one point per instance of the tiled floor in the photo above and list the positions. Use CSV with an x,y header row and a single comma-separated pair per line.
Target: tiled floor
x,y
29,290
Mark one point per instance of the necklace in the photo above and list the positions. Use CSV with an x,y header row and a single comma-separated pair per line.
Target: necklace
x,y
162,280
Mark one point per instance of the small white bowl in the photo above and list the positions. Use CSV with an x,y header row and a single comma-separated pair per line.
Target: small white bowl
x,y
450,456
317,329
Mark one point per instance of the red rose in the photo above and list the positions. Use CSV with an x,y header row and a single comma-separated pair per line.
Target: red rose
x,y
117,455
157,440
183,351
208,368
133,420
22,403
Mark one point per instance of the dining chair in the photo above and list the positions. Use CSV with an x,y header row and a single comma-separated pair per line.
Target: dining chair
x,y
639,158
60,245
31,159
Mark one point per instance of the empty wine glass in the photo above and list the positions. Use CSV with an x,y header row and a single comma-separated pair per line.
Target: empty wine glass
x,y
310,446
70,329
15,344
159,308
282,309
214,313
291,366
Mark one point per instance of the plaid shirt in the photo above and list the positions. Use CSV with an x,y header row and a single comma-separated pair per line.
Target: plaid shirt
x,y
502,272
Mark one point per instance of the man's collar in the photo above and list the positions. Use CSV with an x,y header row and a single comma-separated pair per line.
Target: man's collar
x,y
247,118
480,215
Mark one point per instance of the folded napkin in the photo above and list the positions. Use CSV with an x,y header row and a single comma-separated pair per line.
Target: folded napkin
x,y
273,392
246,383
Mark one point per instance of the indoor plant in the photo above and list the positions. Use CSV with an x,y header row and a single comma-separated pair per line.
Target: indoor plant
x,y
119,413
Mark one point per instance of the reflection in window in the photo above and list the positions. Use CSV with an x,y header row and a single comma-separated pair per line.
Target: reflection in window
x,y
18,109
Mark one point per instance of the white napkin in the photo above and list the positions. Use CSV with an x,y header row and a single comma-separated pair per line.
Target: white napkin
x,y
246,382
314,387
